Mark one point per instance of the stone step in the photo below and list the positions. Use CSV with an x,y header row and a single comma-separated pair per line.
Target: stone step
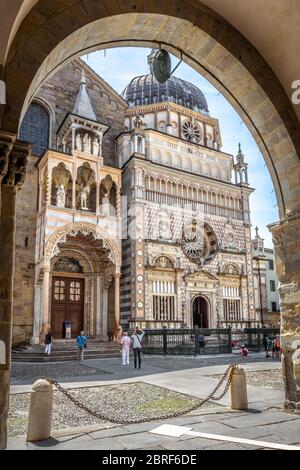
x,y
69,358
65,351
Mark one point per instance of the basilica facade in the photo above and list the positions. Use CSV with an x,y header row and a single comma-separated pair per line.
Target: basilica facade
x,y
133,214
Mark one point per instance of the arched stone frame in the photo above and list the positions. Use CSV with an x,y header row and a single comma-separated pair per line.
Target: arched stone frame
x,y
60,236
208,297
235,266
52,249
162,255
218,50
88,268
86,172
61,180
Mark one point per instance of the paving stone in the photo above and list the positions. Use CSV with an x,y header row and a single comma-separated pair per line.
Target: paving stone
x,y
260,419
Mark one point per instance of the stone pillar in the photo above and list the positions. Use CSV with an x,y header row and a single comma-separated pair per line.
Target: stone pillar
x,y
49,188
46,287
36,315
98,305
73,139
117,299
12,170
105,309
74,193
287,258
97,198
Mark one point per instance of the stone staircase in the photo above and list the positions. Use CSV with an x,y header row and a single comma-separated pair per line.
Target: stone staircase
x,y
66,350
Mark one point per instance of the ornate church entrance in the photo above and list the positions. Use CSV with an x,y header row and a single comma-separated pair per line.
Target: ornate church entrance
x,y
200,312
67,305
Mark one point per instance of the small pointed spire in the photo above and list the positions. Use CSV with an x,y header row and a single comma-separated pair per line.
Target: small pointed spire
x,y
240,155
257,234
83,106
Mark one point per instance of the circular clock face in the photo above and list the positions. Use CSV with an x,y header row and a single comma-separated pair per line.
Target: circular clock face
x,y
192,131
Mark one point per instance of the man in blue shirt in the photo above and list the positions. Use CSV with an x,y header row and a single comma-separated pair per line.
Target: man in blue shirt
x,y
81,341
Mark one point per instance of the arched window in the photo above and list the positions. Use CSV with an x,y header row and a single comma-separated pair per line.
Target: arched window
x,y
35,128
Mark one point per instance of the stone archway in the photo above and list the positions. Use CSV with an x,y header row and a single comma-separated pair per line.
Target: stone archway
x,y
51,35
200,312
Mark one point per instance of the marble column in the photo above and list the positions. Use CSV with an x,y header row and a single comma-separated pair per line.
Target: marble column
x,y
117,299
105,309
98,305
46,288
74,193
287,258
36,315
12,171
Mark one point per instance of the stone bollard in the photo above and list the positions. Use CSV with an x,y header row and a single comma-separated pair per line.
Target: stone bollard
x,y
40,411
238,389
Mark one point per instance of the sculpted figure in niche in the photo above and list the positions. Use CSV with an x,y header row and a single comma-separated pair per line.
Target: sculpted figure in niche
x,y
96,147
78,142
61,196
87,143
84,195
105,205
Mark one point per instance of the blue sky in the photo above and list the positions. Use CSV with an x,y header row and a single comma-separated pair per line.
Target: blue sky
x,y
119,65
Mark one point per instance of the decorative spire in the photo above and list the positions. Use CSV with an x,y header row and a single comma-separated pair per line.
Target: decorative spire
x,y
240,155
257,234
83,106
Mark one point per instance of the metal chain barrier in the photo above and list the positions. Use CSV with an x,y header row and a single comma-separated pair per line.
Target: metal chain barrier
x,y
227,374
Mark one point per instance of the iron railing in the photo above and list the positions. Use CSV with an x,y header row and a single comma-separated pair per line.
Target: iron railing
x,y
186,341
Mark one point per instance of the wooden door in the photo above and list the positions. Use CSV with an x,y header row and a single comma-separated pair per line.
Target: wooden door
x,y
67,305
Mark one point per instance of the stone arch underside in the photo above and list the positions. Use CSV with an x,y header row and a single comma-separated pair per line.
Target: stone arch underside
x,y
217,51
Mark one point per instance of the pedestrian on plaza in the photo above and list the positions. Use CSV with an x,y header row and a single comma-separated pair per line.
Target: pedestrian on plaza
x,y
276,350
48,342
137,346
244,351
126,343
81,342
269,346
201,341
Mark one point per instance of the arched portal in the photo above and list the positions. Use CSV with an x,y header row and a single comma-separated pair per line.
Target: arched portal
x,y
200,312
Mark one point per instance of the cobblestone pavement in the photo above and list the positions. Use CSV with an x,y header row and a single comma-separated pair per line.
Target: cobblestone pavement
x,y
191,362
127,401
266,378
196,377
29,372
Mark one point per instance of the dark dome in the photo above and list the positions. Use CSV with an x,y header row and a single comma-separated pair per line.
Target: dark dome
x,y
146,89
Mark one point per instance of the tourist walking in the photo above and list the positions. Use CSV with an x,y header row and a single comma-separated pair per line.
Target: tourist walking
x,y
126,342
201,341
137,346
48,343
81,342
276,350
